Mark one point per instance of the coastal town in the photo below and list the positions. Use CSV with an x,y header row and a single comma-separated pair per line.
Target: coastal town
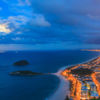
x,y
84,80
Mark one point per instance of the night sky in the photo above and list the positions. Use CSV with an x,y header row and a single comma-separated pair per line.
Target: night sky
x,y
49,24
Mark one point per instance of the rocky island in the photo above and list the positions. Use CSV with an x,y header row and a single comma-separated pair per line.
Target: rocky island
x,y
25,73
84,80
21,63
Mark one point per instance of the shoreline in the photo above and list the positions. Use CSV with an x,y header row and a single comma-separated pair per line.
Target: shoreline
x,y
71,65
84,76
62,90
61,93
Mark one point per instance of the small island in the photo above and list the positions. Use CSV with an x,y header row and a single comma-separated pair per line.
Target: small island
x,y
21,63
84,80
25,73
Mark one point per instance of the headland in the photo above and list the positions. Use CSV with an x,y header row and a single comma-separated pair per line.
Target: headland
x,y
84,80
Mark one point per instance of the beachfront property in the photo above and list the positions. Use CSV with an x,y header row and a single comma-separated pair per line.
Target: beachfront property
x,y
84,85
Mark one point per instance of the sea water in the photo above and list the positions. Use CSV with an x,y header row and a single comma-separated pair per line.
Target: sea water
x,y
36,87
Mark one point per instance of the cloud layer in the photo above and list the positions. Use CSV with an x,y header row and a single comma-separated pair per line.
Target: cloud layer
x,y
46,22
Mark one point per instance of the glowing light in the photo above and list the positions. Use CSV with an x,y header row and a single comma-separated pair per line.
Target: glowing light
x,y
96,50
4,28
76,91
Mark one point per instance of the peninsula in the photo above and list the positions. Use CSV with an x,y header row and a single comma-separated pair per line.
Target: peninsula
x,y
84,80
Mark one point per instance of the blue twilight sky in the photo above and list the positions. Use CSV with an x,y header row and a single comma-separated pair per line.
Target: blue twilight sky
x,y
49,24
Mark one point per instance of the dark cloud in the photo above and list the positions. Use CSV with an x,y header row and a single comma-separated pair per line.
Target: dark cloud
x,y
74,13
81,19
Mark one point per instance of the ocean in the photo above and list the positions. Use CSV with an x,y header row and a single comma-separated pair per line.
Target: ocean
x,y
36,87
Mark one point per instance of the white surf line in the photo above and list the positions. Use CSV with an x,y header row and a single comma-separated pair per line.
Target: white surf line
x,y
62,91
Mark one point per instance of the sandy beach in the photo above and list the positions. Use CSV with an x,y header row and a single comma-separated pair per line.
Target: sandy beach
x,y
62,91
